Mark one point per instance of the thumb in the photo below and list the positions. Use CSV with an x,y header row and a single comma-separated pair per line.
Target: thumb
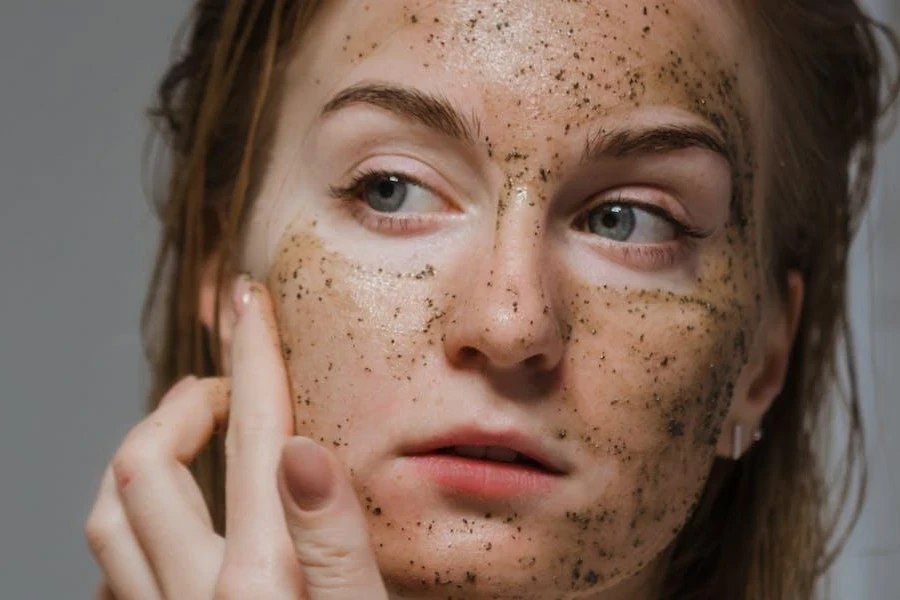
x,y
327,525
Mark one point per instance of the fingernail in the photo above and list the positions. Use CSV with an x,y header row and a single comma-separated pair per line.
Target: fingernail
x,y
307,473
242,294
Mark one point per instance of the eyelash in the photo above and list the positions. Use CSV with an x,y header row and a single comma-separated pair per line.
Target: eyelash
x,y
647,256
651,257
682,230
351,194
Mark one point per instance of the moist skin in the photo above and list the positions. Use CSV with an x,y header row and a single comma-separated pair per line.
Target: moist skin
x,y
497,308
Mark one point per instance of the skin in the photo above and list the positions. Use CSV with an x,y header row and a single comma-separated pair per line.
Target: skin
x,y
294,528
491,307
487,304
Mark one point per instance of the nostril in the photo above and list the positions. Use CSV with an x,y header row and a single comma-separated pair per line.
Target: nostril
x,y
537,362
468,355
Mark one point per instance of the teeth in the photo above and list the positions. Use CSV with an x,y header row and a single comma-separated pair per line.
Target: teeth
x,y
496,453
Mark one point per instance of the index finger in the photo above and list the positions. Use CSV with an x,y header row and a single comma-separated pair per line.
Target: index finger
x,y
260,422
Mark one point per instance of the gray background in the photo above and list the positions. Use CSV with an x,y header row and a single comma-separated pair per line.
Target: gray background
x,y
76,242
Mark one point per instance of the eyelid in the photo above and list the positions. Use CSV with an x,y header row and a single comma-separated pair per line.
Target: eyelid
x,y
652,199
359,179
407,168
646,256
666,208
351,197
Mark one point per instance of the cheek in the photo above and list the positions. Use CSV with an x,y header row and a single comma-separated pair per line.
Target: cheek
x,y
649,378
663,372
349,330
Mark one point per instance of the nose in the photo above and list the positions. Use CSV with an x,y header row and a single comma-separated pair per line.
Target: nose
x,y
504,314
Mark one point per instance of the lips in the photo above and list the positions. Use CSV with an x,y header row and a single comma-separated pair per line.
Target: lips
x,y
503,447
487,464
499,454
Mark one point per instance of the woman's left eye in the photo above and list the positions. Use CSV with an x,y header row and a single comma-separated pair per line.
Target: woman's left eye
x,y
623,222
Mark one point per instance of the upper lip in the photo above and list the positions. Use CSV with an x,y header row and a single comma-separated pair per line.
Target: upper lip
x,y
529,446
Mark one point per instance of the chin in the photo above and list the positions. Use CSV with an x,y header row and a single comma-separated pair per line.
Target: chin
x,y
450,550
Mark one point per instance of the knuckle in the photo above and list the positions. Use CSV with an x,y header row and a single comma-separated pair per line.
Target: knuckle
x,y
179,390
96,537
337,576
330,565
202,400
138,455
329,555
101,529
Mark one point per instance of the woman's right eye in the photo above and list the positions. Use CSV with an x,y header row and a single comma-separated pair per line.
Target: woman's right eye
x,y
387,194
394,193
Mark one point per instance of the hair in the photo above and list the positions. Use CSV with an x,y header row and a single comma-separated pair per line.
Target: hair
x,y
767,526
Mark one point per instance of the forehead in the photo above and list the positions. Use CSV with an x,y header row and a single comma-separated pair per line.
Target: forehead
x,y
574,59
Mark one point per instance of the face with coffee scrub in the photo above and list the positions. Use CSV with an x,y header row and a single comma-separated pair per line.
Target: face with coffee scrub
x,y
513,249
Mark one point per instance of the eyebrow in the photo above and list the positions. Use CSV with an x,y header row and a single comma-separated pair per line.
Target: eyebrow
x,y
431,110
656,140
438,113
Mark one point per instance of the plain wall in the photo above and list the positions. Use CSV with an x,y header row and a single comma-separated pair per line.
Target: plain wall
x,y
76,242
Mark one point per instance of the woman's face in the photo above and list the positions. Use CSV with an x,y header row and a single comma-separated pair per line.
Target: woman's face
x,y
518,225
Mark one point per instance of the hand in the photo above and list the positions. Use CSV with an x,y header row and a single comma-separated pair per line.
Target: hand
x,y
294,527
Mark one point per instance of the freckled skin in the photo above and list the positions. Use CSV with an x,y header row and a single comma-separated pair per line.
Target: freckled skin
x,y
386,336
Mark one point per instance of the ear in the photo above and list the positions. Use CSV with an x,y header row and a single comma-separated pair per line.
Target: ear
x,y
209,289
763,376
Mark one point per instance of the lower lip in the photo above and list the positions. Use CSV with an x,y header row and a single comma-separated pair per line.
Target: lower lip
x,y
483,477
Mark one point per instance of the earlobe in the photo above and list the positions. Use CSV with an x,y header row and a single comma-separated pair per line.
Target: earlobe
x,y
766,372
779,343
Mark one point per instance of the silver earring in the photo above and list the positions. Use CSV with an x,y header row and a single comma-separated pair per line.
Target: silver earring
x,y
757,435
737,443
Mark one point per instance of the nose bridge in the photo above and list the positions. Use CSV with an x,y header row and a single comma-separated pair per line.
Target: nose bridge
x,y
508,309
514,261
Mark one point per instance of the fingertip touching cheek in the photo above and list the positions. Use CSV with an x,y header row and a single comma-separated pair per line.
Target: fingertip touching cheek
x,y
523,235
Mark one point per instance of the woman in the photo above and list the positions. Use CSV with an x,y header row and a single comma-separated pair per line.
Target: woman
x,y
542,300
